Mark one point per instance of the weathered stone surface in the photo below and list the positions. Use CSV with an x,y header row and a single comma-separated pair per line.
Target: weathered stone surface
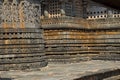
x,y
21,35
63,71
87,28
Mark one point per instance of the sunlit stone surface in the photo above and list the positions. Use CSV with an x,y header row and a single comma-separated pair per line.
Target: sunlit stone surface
x,y
62,71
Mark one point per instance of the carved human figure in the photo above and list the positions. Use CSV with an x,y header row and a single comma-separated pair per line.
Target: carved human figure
x,y
6,11
15,11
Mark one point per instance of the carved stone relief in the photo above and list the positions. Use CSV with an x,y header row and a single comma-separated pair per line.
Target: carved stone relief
x,y
20,11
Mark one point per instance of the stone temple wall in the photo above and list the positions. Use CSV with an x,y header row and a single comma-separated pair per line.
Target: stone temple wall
x,y
95,10
71,38
21,35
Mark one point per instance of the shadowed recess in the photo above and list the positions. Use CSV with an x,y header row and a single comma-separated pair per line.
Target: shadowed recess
x,y
5,79
111,3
